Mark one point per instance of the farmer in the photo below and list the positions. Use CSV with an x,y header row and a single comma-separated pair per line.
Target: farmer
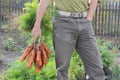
x,y
73,30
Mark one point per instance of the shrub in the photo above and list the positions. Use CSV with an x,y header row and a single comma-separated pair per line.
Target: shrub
x,y
106,52
116,73
9,44
25,39
76,71
27,19
18,71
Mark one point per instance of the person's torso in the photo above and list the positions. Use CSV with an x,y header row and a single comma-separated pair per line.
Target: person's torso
x,y
72,5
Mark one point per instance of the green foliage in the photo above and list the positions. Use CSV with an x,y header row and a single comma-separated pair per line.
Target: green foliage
x,y
48,73
25,38
106,51
2,75
76,71
18,71
9,44
116,73
27,19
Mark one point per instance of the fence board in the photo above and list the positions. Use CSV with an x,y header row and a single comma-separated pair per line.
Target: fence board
x,y
10,7
108,20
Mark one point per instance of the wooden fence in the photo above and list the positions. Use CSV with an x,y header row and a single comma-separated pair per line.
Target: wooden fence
x,y
106,20
10,8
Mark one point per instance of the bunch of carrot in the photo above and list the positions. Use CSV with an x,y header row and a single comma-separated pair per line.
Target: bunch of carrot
x,y
36,54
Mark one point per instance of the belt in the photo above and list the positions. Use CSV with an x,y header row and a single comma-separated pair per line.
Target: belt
x,y
72,14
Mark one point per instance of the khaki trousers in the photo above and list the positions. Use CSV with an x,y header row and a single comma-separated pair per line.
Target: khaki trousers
x,y
76,33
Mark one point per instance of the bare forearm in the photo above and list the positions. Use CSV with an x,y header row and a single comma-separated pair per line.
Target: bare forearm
x,y
42,7
92,8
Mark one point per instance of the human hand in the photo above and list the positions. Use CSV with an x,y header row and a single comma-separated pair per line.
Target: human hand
x,y
36,31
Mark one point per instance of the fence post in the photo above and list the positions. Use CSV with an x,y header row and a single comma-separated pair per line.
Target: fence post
x,y
118,31
98,19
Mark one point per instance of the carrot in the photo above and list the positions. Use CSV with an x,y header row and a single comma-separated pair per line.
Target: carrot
x,y
38,55
48,52
37,69
44,56
35,57
31,59
26,52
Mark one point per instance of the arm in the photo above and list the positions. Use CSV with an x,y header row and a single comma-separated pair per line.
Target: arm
x,y
42,7
92,8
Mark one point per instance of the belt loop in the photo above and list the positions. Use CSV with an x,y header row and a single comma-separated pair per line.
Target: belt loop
x,y
79,14
71,14
82,15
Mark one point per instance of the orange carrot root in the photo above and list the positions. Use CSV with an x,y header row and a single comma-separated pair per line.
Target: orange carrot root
x,y
37,69
44,56
31,59
48,52
38,57
26,52
37,54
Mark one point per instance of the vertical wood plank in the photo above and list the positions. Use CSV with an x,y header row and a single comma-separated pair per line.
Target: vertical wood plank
x,y
0,11
112,21
102,20
109,18
115,8
105,19
99,19
118,24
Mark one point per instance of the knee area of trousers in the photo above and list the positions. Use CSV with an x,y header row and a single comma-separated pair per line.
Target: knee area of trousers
x,y
62,68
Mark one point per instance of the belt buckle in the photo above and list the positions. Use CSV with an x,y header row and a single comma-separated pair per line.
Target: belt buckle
x,y
76,14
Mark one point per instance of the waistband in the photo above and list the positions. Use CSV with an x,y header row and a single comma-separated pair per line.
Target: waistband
x,y
72,14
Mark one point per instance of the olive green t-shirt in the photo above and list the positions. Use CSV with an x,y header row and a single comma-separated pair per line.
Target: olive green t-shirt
x,y
72,5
